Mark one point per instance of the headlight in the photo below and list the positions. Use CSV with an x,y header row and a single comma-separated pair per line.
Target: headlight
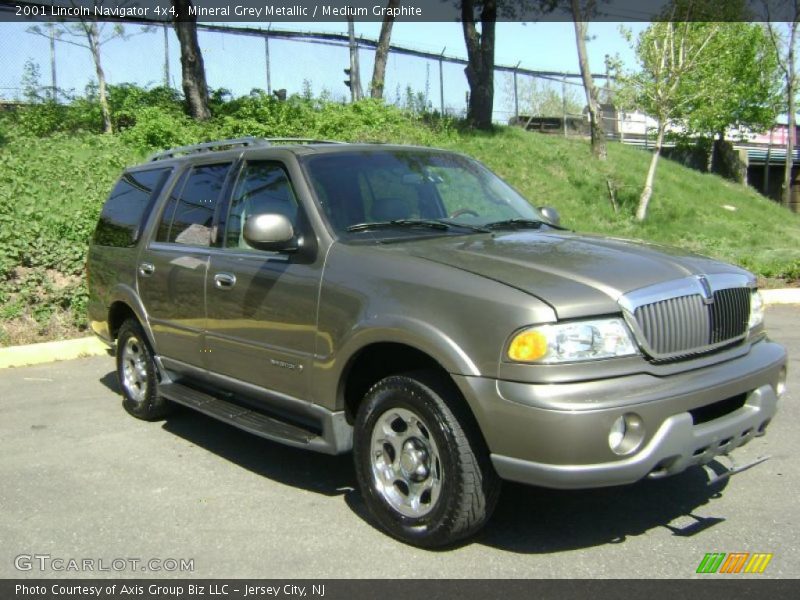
x,y
575,341
756,310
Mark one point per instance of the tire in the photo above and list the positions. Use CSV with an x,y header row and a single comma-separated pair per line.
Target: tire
x,y
138,375
421,462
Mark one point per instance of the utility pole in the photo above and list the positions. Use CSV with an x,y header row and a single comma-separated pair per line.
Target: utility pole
x,y
166,55
266,57
53,82
355,76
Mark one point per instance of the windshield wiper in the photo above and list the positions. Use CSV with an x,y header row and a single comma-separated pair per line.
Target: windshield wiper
x,y
518,224
399,223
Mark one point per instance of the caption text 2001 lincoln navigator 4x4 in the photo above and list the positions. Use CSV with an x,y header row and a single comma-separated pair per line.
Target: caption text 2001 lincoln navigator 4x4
x,y
406,304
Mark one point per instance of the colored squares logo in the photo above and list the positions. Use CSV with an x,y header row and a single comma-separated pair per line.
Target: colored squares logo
x,y
734,562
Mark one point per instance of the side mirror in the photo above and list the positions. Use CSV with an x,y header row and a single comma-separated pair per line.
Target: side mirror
x,y
268,231
551,214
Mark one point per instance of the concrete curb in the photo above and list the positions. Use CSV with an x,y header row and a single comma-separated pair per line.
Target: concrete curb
x,y
782,296
34,354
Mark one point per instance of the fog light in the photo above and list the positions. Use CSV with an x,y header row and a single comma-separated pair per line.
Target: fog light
x,y
780,387
626,434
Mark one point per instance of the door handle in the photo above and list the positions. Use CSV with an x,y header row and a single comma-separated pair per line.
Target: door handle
x,y
146,269
224,281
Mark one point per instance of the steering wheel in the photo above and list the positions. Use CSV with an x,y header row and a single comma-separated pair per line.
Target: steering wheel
x,y
463,211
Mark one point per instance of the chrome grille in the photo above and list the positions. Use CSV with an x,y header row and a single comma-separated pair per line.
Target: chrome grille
x,y
729,314
675,325
690,322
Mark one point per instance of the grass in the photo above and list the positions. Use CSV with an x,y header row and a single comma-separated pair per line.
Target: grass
x,y
688,209
52,188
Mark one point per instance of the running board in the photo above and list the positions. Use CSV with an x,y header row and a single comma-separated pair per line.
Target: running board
x,y
250,420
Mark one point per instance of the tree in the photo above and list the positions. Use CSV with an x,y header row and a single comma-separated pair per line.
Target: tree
x,y
382,51
667,51
193,72
91,35
480,50
480,60
743,83
784,45
579,14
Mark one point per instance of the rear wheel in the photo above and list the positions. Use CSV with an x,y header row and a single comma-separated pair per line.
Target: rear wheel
x,y
137,374
421,464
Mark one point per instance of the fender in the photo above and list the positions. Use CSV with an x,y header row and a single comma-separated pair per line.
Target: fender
x,y
399,329
127,295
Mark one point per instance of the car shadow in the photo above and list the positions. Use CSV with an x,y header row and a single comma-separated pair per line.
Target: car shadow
x,y
538,520
527,519
320,473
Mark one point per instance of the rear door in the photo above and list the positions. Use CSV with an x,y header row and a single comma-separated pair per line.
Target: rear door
x,y
261,305
172,267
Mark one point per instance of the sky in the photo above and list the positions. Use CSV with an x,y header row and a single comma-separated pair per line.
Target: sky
x,y
238,63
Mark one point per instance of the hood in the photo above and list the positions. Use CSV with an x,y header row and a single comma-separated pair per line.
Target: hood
x,y
578,275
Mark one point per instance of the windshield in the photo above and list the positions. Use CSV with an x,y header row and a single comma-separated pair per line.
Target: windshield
x,y
395,187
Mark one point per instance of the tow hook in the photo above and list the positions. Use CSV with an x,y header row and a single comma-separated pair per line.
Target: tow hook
x,y
714,477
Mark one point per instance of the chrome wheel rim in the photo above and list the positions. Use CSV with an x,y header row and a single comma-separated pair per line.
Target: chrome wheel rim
x,y
134,369
406,467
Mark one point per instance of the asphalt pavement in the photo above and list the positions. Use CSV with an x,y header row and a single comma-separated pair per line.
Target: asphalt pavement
x,y
81,481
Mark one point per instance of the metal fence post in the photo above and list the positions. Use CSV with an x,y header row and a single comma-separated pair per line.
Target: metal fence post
x,y
516,94
564,103
441,81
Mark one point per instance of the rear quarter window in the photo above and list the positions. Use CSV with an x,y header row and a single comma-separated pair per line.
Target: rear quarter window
x,y
126,209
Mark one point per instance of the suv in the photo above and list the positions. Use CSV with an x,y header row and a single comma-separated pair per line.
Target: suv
x,y
408,305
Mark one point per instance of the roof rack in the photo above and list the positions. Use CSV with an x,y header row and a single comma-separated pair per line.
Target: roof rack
x,y
232,143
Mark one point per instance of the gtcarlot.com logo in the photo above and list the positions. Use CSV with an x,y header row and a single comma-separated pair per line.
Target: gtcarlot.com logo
x,y
734,562
46,562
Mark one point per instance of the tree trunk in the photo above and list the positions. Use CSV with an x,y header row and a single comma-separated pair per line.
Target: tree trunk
x,y
647,192
193,70
382,52
93,36
480,65
710,157
595,126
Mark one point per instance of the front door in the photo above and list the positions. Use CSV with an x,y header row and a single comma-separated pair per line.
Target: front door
x,y
261,305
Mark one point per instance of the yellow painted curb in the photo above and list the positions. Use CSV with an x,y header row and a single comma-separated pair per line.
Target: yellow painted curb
x,y
34,354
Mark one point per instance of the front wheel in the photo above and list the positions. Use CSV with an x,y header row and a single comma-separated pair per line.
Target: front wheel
x,y
421,464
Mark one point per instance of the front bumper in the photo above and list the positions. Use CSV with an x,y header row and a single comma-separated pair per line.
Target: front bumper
x,y
556,435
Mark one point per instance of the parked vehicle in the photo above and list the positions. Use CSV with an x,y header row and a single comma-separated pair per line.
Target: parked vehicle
x,y
406,304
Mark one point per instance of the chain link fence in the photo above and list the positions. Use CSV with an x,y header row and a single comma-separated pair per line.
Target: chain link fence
x,y
239,60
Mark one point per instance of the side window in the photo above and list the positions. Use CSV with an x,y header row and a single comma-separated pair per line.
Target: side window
x,y
127,207
263,187
162,234
194,209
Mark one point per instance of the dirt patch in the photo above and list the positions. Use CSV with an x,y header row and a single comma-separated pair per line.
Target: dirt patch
x,y
774,283
26,330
